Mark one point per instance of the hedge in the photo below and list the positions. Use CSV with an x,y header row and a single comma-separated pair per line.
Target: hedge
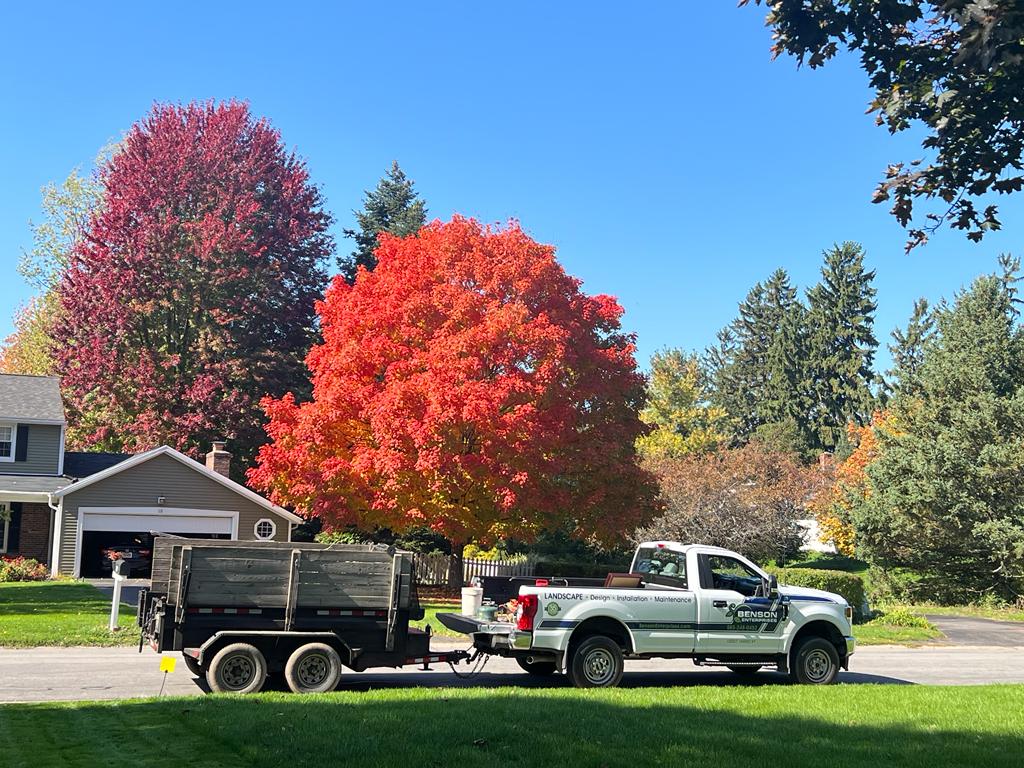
x,y
849,585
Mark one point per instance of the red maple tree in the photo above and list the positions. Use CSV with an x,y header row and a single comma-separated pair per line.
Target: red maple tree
x,y
191,295
468,384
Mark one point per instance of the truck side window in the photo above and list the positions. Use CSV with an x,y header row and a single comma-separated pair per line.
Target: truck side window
x,y
730,573
662,566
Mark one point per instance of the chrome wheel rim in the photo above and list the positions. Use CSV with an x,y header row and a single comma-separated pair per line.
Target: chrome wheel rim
x,y
817,666
313,670
599,666
238,671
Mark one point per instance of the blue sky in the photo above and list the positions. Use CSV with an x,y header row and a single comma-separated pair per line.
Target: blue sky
x,y
659,148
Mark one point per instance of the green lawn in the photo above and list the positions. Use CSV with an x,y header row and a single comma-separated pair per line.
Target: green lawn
x,y
870,725
430,617
60,613
880,633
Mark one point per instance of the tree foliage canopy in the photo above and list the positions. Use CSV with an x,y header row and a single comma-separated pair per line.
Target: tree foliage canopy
x,y
681,418
191,294
747,499
393,207
947,489
468,384
955,66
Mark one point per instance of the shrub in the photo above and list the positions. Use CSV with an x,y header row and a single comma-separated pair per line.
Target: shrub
x,y
22,569
901,617
849,585
340,537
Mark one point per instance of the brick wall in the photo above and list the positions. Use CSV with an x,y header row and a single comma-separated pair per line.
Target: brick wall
x,y
35,532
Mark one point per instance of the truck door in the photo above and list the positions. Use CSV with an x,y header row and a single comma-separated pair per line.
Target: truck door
x,y
733,615
664,621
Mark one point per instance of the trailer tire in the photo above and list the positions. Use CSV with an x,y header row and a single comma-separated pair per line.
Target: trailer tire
x,y
596,663
194,666
313,668
537,668
814,662
237,668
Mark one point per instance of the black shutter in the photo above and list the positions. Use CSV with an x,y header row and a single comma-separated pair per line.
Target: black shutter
x,y
21,443
14,527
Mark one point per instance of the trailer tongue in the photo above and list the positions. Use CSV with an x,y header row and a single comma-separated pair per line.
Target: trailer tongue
x,y
238,611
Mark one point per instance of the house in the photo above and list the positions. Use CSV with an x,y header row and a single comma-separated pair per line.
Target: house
x,y
64,507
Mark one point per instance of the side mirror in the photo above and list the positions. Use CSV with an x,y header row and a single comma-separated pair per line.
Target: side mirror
x,y
773,586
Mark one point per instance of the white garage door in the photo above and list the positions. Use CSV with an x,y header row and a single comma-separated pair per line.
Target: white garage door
x,y
164,519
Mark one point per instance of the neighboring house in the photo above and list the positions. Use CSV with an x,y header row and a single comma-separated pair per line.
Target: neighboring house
x,y
64,507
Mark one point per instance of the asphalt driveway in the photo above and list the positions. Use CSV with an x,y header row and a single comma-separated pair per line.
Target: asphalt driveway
x,y
51,674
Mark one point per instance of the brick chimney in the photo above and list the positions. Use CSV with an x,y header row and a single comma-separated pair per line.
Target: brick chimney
x,y
218,459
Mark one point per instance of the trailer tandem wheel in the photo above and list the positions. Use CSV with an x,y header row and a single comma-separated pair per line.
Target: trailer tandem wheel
x,y
313,668
237,668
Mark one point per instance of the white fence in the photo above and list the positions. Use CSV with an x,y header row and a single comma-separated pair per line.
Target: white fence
x,y
432,570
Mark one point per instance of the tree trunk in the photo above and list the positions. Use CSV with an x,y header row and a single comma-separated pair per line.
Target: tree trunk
x,y
455,567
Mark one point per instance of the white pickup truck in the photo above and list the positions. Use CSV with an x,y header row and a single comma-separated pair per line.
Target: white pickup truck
x,y
678,601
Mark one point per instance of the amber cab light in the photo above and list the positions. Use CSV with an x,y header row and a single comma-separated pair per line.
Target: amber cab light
x,y
527,610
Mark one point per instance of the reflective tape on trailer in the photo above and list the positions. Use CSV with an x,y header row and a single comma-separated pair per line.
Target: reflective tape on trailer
x,y
425,659
229,611
345,612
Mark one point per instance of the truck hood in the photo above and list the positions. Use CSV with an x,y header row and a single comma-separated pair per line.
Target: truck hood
x,y
811,595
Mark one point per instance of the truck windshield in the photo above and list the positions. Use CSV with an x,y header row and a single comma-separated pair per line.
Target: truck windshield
x,y
663,566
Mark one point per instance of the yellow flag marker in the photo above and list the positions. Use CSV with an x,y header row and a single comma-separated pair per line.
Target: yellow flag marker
x,y
167,663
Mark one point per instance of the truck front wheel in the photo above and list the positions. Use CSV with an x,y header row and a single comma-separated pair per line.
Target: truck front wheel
x,y
596,663
814,662
237,668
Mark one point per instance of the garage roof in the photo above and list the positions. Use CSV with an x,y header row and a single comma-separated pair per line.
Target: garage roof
x,y
166,450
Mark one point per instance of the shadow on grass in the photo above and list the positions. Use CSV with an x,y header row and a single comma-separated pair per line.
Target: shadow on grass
x,y
794,727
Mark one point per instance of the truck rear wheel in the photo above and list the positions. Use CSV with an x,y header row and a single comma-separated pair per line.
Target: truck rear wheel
x,y
537,668
814,662
313,668
237,668
596,663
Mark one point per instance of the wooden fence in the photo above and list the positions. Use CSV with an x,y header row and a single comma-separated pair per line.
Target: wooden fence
x,y
432,570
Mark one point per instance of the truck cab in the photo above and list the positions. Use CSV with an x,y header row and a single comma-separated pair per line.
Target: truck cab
x,y
677,601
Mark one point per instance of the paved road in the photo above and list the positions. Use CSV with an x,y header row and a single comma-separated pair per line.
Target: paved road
x,y
970,630
51,674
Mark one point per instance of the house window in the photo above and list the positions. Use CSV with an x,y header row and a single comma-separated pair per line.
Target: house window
x,y
7,433
265,529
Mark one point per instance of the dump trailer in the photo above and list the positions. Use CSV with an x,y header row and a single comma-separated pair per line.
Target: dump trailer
x,y
238,611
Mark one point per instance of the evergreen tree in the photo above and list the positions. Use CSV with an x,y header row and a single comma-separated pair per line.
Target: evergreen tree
x,y
908,348
757,367
947,491
393,207
841,344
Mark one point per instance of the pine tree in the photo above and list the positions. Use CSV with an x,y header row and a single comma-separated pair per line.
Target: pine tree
x,y
908,348
393,207
947,492
841,344
785,405
757,366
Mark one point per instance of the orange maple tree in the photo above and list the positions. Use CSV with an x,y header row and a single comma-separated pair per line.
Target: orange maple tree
x,y
466,384
851,485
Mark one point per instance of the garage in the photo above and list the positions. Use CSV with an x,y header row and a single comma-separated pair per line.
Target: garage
x,y
129,531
